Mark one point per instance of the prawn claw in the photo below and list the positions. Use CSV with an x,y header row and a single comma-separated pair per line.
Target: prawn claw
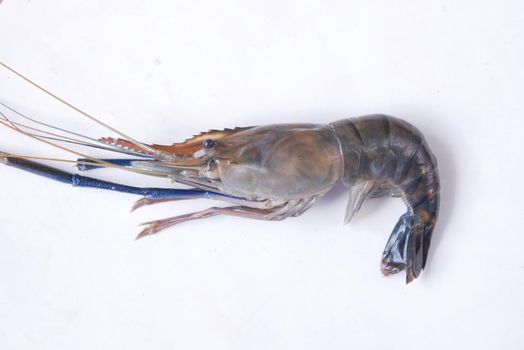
x,y
148,230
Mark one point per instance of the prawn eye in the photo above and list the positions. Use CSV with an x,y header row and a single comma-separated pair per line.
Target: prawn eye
x,y
208,144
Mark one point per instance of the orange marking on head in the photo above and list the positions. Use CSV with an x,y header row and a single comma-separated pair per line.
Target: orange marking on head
x,y
124,144
188,147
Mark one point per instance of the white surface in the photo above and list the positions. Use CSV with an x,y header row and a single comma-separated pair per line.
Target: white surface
x,y
72,277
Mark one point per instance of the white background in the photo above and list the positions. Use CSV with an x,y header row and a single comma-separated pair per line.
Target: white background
x,y
71,275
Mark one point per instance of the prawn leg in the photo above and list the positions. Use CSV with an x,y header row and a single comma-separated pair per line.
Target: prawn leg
x,y
146,200
89,182
292,208
153,227
207,192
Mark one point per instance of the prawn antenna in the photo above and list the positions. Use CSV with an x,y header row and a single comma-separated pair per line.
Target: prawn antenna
x,y
73,107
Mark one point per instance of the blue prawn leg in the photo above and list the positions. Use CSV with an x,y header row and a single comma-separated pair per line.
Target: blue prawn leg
x,y
151,193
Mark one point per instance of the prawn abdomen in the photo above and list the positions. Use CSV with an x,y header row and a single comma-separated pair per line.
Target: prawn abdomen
x,y
378,150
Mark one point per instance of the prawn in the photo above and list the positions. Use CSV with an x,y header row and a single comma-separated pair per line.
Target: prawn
x,y
269,172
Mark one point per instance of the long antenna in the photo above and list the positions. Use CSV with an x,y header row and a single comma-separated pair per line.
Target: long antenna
x,y
96,120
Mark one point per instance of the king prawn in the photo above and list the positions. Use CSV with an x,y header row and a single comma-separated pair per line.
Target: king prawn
x,y
269,172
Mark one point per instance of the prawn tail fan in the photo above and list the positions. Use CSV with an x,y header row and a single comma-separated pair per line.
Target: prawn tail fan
x,y
407,247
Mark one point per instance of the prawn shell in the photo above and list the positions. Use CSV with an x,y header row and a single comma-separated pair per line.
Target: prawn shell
x,y
282,162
